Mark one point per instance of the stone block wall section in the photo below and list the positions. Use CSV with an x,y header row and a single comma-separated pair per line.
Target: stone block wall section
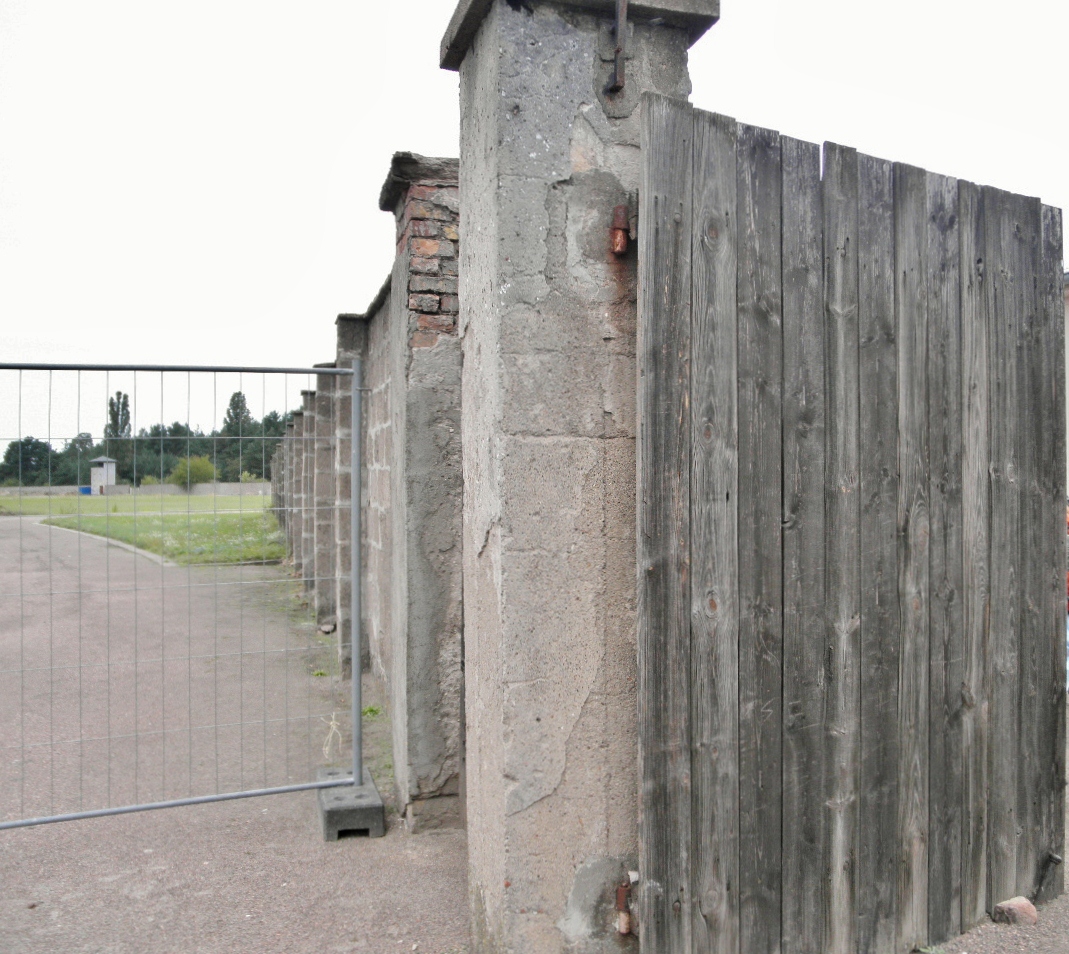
x,y
548,325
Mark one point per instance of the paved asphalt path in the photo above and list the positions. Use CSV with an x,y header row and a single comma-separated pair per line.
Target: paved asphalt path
x,y
246,876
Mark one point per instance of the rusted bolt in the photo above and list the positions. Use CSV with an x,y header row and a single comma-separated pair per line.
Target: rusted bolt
x,y
619,231
623,908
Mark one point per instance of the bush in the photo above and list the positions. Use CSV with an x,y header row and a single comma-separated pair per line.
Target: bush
x,y
149,481
247,478
192,470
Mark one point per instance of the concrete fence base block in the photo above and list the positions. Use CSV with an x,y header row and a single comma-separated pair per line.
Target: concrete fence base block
x,y
430,814
350,808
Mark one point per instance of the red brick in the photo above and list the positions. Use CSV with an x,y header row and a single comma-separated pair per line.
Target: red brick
x,y
425,229
424,266
421,191
447,249
450,304
436,323
428,283
1015,911
426,248
427,210
448,267
427,303
451,232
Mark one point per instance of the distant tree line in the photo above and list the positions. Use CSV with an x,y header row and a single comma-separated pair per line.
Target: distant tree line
x,y
240,449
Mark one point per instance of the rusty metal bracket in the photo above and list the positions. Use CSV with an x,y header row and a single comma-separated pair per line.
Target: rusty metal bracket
x,y
617,82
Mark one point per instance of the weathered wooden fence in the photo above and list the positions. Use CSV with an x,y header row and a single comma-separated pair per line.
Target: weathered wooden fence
x,y
851,545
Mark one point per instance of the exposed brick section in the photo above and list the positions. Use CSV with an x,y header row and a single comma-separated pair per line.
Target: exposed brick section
x,y
427,229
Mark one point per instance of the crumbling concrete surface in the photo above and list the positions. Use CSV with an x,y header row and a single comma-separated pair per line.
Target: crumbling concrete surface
x,y
548,331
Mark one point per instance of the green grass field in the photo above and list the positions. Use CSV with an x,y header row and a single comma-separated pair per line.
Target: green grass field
x,y
31,506
193,530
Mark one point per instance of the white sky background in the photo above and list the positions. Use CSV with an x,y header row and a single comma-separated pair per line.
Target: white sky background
x,y
198,182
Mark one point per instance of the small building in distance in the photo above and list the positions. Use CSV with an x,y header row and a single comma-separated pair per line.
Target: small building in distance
x,y
102,473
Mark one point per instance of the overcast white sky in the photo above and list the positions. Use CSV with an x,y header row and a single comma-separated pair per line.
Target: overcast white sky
x,y
198,182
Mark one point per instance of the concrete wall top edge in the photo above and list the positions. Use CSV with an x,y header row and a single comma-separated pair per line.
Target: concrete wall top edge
x,y
408,168
696,16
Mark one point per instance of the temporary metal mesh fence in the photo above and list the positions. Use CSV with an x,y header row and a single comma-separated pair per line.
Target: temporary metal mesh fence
x,y
165,635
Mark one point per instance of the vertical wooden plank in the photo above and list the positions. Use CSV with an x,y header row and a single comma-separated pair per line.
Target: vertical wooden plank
x,y
760,380
1052,689
975,525
842,513
911,244
803,550
946,669
1003,309
1033,432
878,375
714,526
664,335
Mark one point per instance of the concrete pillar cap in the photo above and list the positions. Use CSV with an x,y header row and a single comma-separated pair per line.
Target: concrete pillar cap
x,y
695,16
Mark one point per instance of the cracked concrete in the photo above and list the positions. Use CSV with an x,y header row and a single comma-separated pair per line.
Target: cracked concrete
x,y
548,401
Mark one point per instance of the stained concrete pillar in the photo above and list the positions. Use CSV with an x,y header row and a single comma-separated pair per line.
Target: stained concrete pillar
x,y
351,344
325,494
296,511
547,318
308,446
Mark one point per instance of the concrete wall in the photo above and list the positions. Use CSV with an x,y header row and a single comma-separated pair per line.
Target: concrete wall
x,y
548,331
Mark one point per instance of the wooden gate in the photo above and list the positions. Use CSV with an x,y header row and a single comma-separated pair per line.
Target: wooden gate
x,y
851,548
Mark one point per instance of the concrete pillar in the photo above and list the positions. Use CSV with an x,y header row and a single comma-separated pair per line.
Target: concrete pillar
x,y
308,513
325,493
351,344
548,324
414,433
296,510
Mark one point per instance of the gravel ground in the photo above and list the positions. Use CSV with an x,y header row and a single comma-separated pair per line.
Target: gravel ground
x,y
237,877
1049,936
241,877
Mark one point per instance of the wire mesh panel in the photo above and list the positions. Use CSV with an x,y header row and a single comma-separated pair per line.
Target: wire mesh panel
x,y
168,586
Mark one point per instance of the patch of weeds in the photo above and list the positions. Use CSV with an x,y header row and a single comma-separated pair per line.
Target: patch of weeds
x,y
319,672
371,712
929,950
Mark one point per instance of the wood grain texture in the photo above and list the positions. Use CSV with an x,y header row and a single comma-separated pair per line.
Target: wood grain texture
x,y
760,476
946,646
911,246
803,550
975,571
1052,688
1034,429
664,341
842,513
1004,315
714,495
878,376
